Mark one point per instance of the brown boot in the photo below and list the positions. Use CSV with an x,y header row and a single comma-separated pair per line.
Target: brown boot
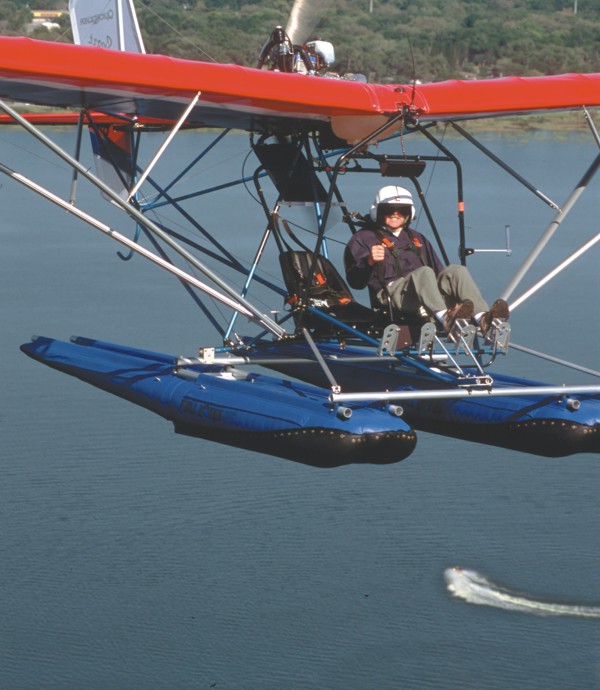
x,y
498,310
462,310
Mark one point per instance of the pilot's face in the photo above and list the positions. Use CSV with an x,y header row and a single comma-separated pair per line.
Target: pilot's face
x,y
396,218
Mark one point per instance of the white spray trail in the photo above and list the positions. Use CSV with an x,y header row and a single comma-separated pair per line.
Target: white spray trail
x,y
474,588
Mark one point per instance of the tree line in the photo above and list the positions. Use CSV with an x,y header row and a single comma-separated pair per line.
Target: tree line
x,y
387,40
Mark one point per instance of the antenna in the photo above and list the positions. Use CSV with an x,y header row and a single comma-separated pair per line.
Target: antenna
x,y
414,73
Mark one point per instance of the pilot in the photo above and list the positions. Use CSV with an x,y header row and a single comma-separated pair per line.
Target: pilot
x,y
398,262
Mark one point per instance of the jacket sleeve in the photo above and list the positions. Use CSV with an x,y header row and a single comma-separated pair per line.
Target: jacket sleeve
x,y
358,270
433,260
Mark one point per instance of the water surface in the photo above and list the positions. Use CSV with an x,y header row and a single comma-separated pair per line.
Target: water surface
x,y
135,558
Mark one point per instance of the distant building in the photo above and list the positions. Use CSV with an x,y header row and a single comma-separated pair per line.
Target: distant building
x,y
45,15
45,18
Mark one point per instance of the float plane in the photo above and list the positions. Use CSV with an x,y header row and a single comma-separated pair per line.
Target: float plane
x,y
361,379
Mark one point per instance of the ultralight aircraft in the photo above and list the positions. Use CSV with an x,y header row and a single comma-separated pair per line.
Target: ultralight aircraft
x,y
362,378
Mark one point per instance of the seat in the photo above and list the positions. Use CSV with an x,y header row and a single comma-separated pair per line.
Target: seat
x,y
327,292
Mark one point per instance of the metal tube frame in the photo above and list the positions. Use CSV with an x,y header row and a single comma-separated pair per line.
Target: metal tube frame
x,y
264,320
553,227
238,302
467,392
113,234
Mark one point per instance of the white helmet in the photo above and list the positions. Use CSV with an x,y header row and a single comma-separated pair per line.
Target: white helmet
x,y
393,194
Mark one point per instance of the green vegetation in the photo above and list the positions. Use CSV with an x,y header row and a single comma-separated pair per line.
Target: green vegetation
x,y
396,41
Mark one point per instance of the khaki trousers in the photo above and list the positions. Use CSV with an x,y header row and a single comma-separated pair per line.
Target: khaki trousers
x,y
422,288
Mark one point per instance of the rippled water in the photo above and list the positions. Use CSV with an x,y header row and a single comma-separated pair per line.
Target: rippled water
x,y
135,558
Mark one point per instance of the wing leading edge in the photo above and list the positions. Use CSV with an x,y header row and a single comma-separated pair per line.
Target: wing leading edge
x,y
159,87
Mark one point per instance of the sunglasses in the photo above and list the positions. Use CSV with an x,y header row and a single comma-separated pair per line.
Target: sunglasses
x,y
390,209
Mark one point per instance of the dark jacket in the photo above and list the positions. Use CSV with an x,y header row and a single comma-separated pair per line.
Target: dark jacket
x,y
408,251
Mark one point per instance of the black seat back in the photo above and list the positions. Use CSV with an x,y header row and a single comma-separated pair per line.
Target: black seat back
x,y
327,292
327,287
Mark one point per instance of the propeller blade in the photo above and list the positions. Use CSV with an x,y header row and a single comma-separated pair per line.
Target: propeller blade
x,y
303,19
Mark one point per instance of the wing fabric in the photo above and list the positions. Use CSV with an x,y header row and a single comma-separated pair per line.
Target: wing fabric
x,y
508,95
159,87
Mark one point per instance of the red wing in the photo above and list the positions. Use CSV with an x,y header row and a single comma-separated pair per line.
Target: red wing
x,y
159,87
462,99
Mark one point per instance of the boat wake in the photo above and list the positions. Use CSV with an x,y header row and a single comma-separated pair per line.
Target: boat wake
x,y
474,588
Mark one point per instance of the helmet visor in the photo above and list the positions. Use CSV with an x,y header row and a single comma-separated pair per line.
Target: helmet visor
x,y
389,210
